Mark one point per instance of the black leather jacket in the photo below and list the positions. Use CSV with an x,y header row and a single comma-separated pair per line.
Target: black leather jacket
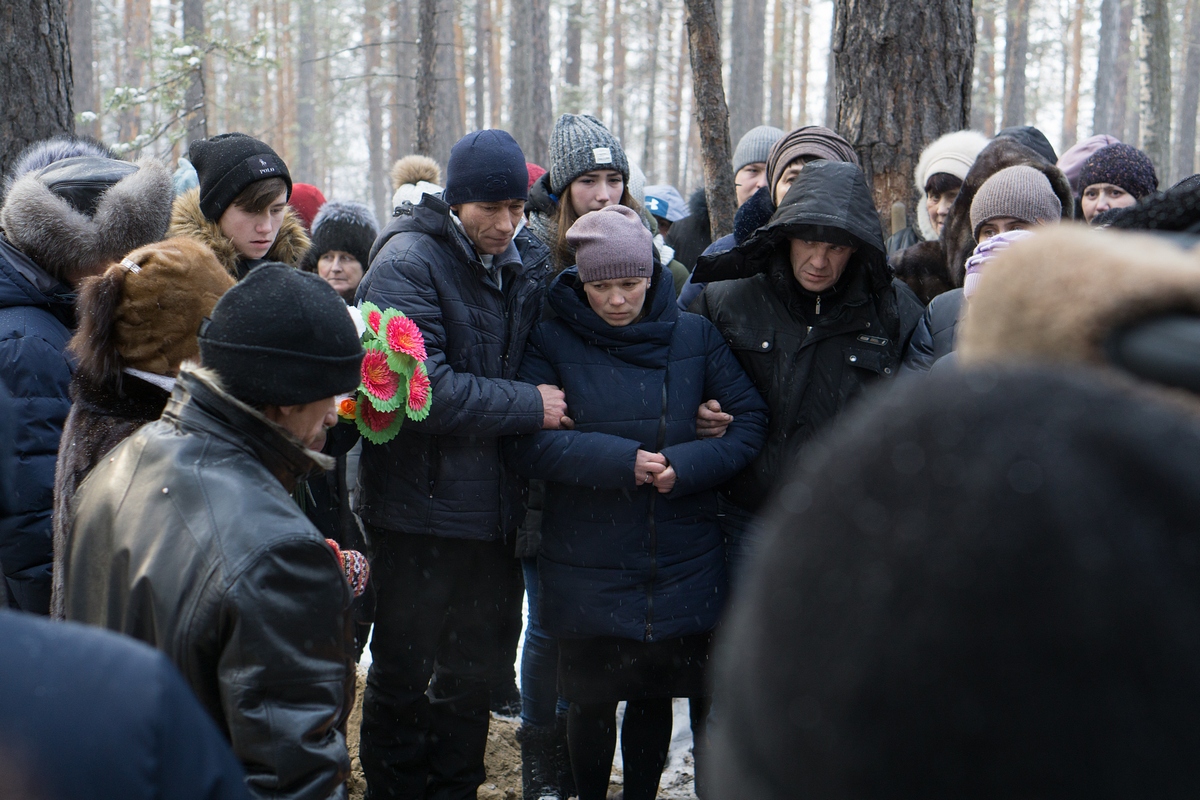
x,y
187,537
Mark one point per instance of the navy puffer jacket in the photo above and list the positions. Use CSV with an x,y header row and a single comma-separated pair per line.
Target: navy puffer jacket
x,y
444,476
619,559
36,317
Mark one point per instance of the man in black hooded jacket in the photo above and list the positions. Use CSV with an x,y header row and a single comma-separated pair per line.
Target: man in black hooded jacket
x,y
813,314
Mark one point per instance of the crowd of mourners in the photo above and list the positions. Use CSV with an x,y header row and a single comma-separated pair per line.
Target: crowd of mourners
x,y
932,492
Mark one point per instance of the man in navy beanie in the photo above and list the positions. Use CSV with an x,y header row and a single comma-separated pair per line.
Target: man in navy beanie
x,y
437,501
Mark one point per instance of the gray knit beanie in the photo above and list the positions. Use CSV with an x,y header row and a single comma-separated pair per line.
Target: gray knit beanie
x,y
580,143
1020,192
610,244
755,146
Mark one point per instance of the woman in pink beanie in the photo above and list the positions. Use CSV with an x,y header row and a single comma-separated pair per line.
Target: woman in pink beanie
x,y
631,566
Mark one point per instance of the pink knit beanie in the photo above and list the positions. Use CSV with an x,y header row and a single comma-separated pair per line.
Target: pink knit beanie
x,y
611,244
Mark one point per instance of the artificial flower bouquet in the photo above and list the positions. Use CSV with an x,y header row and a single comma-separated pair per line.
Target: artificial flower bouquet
x,y
394,383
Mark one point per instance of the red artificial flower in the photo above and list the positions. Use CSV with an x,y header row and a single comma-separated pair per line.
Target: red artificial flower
x,y
374,317
378,379
418,391
377,421
403,336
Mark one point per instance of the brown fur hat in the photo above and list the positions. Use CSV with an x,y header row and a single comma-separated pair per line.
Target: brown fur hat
x,y
414,169
923,268
1057,296
958,238
147,318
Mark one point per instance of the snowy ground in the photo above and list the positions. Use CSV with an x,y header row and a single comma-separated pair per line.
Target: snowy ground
x,y
678,777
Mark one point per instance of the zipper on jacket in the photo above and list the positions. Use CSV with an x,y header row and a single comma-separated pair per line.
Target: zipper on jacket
x,y
662,439
818,305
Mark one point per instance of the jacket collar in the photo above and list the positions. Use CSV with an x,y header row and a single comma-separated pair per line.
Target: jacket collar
x,y
200,405
291,243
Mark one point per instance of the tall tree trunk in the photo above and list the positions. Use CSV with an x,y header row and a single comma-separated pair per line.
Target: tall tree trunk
x,y
35,71
805,61
831,87
496,76
543,108
460,69
650,144
618,84
1071,113
520,71
1122,109
890,113
1106,65
194,100
574,57
483,24
778,63
449,109
137,48
305,169
376,164
1016,53
675,150
983,106
747,39
83,79
601,52
1189,101
427,83
403,130
712,115
1155,39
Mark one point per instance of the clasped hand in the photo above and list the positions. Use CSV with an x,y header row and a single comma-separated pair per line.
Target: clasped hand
x,y
652,468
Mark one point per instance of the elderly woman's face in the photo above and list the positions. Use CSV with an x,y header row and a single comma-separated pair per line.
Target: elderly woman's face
x,y
938,206
1100,197
618,302
341,271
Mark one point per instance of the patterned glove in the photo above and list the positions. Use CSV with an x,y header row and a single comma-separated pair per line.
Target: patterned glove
x,y
354,565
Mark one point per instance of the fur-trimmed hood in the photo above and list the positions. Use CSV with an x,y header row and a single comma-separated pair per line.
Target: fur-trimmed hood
x,y
188,220
40,155
70,245
1059,296
958,239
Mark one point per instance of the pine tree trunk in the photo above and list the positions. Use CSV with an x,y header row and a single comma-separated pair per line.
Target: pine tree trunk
x,y
35,71
748,43
83,79
427,83
601,55
1123,112
194,97
376,165
304,169
450,121
1016,53
1071,112
574,45
618,84
520,71
712,115
805,62
1106,65
831,85
778,62
543,108
1189,100
496,76
650,144
675,148
136,46
1155,39
886,111
403,130
483,23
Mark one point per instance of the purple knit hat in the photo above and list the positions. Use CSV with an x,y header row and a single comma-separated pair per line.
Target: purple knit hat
x,y
611,244
1120,165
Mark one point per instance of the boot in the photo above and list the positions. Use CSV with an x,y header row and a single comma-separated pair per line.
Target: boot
x,y
537,763
562,758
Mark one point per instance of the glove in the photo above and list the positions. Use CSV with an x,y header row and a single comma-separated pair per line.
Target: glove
x,y
354,565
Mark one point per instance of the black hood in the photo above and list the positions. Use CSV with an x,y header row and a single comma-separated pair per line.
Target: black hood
x,y
829,198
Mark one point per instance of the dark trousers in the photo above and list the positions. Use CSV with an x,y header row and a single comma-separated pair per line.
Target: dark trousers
x,y
439,609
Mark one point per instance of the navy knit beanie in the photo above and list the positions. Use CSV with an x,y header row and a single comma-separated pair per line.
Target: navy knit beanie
x,y
486,167
227,164
1120,165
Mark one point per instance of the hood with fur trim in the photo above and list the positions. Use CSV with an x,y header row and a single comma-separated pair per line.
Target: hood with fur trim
x,y
188,220
958,239
953,154
40,155
1057,297
70,245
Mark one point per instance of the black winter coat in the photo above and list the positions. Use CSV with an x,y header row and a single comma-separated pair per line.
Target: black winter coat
x,y
934,334
618,559
809,355
187,537
36,316
444,476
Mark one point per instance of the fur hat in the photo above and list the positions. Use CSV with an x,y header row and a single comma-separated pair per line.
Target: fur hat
x,y
342,225
952,154
580,143
70,245
1020,192
145,311
414,176
40,155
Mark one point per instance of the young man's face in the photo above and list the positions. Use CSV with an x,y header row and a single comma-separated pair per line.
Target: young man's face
x,y
253,233
749,179
490,226
818,265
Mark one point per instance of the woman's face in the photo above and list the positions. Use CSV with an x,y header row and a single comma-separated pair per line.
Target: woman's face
x,y
253,233
938,206
999,225
1100,197
594,190
340,270
618,302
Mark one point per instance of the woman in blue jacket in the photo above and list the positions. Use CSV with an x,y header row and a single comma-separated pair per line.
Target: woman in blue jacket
x,y
631,568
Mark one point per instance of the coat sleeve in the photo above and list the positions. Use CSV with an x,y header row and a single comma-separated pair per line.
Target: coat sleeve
x,y
37,375
577,458
918,357
284,672
706,463
463,404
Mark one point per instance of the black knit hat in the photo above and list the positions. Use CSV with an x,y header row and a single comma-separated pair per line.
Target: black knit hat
x,y
486,167
227,164
282,337
1120,165
342,225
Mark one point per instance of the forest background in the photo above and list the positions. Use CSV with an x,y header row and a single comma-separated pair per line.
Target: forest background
x,y
334,85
